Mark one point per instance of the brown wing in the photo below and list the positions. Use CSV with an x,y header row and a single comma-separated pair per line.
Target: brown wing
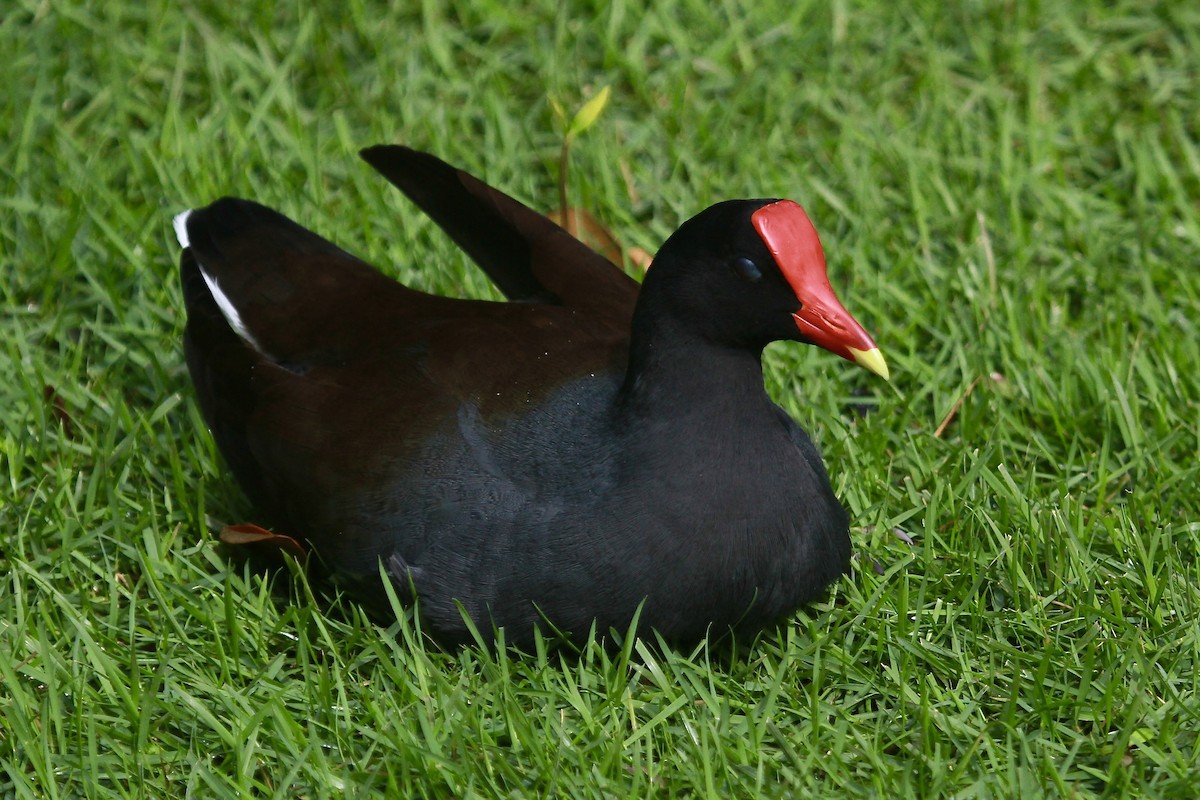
x,y
313,369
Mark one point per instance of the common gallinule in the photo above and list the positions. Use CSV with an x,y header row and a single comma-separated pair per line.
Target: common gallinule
x,y
558,459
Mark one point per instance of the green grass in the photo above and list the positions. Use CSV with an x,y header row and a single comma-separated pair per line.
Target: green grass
x,y
1008,188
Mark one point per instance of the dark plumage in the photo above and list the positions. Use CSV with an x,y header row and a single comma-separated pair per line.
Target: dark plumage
x,y
572,453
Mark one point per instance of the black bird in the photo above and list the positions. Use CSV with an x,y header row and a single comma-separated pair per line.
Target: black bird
x,y
558,459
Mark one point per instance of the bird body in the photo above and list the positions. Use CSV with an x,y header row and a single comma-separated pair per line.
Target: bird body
x,y
587,448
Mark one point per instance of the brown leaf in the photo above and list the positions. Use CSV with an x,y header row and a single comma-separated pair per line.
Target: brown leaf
x,y
249,535
58,407
639,258
586,228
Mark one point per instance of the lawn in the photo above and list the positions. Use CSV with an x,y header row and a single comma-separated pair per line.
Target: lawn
x,y
1009,197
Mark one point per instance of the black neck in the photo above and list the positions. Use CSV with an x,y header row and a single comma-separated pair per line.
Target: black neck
x,y
674,369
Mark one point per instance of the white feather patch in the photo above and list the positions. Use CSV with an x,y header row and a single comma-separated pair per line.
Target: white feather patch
x,y
180,223
228,310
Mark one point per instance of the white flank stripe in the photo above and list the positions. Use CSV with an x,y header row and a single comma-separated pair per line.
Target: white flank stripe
x,y
227,308
180,223
231,314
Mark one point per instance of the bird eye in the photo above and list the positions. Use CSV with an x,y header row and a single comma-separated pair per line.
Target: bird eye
x,y
747,269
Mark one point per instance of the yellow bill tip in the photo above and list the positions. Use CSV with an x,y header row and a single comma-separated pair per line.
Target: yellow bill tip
x,y
873,360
